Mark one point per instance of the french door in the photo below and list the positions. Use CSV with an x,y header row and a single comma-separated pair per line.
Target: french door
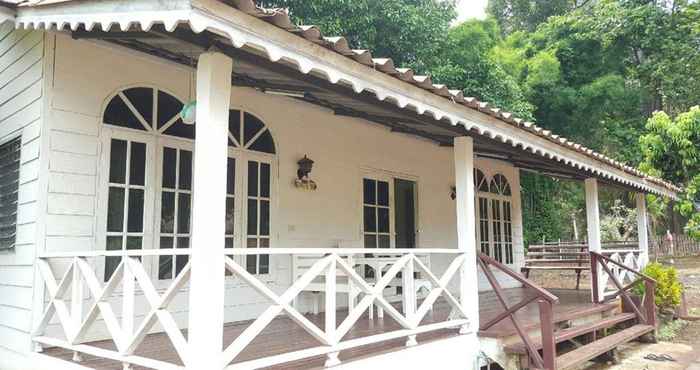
x,y
248,188
389,212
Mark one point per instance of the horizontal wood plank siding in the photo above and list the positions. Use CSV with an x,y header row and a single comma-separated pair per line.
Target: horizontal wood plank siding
x,y
21,104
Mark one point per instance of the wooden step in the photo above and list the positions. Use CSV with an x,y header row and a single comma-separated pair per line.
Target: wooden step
x,y
530,254
573,332
558,267
583,354
558,260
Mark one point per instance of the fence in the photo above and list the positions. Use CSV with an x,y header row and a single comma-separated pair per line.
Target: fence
x,y
682,246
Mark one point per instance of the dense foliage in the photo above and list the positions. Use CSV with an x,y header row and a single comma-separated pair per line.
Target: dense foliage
x,y
672,150
593,71
669,289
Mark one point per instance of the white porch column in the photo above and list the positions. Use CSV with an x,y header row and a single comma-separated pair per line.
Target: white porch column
x,y
206,313
593,226
642,233
466,229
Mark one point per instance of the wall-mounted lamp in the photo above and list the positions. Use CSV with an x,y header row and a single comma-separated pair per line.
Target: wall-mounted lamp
x,y
303,181
453,192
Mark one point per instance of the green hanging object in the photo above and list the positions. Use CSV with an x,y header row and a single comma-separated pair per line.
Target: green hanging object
x,y
189,113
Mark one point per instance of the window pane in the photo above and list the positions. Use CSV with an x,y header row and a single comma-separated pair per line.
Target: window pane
x,y
165,267
231,176
264,143
114,243
370,218
253,179
252,125
264,217
185,170
382,193
181,261
251,262
180,129
384,241
264,259
228,243
134,242
169,163
142,99
111,264
167,212
165,263
137,168
234,123
383,214
264,180
117,162
369,191
183,213
118,113
230,216
370,241
135,219
252,217
115,209
168,107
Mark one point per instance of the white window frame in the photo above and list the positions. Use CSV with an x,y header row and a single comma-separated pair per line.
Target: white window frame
x,y
107,134
490,197
155,141
390,177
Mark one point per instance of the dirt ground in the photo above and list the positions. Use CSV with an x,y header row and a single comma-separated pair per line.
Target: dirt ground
x,y
684,347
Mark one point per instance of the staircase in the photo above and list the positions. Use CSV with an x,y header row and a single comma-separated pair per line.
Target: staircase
x,y
563,340
578,343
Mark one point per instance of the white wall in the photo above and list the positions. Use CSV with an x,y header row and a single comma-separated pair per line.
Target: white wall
x,y
21,105
87,73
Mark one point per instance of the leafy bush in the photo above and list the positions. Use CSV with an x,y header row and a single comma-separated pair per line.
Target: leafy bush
x,y
668,287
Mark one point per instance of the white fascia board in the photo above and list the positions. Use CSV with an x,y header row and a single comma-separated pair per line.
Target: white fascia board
x,y
279,44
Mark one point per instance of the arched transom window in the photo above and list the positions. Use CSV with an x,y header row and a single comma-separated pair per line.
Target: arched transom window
x,y
149,157
494,216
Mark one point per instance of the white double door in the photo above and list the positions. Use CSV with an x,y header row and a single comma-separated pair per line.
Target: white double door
x,y
149,196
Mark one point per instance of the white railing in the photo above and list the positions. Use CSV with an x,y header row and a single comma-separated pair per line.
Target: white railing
x,y
127,336
633,258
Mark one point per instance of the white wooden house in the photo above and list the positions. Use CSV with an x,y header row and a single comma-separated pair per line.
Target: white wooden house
x,y
116,222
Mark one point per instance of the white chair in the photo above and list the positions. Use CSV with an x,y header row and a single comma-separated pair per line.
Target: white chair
x,y
302,263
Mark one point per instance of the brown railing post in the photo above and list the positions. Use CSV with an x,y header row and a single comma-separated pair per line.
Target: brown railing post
x,y
594,278
649,302
549,346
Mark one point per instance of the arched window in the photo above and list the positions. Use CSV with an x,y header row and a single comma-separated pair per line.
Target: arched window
x,y
144,126
152,110
494,217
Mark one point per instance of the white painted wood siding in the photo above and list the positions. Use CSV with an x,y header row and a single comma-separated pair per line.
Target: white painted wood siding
x,y
21,106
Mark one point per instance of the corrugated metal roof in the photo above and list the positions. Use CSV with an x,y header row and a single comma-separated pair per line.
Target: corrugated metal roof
x,y
280,18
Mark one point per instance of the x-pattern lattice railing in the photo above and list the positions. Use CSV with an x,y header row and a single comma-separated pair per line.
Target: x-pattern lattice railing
x,y
68,310
67,297
633,261
330,338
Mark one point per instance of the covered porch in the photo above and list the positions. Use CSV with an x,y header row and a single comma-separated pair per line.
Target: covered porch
x,y
208,246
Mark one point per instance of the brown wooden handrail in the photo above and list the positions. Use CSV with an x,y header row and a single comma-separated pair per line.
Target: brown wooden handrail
x,y
545,301
648,304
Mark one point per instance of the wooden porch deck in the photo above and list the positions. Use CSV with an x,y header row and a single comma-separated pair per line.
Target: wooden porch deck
x,y
283,335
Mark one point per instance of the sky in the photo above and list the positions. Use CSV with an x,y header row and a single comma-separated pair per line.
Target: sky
x,y
471,9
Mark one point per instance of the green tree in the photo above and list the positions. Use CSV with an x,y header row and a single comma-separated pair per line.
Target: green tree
x,y
526,15
467,61
412,32
671,149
